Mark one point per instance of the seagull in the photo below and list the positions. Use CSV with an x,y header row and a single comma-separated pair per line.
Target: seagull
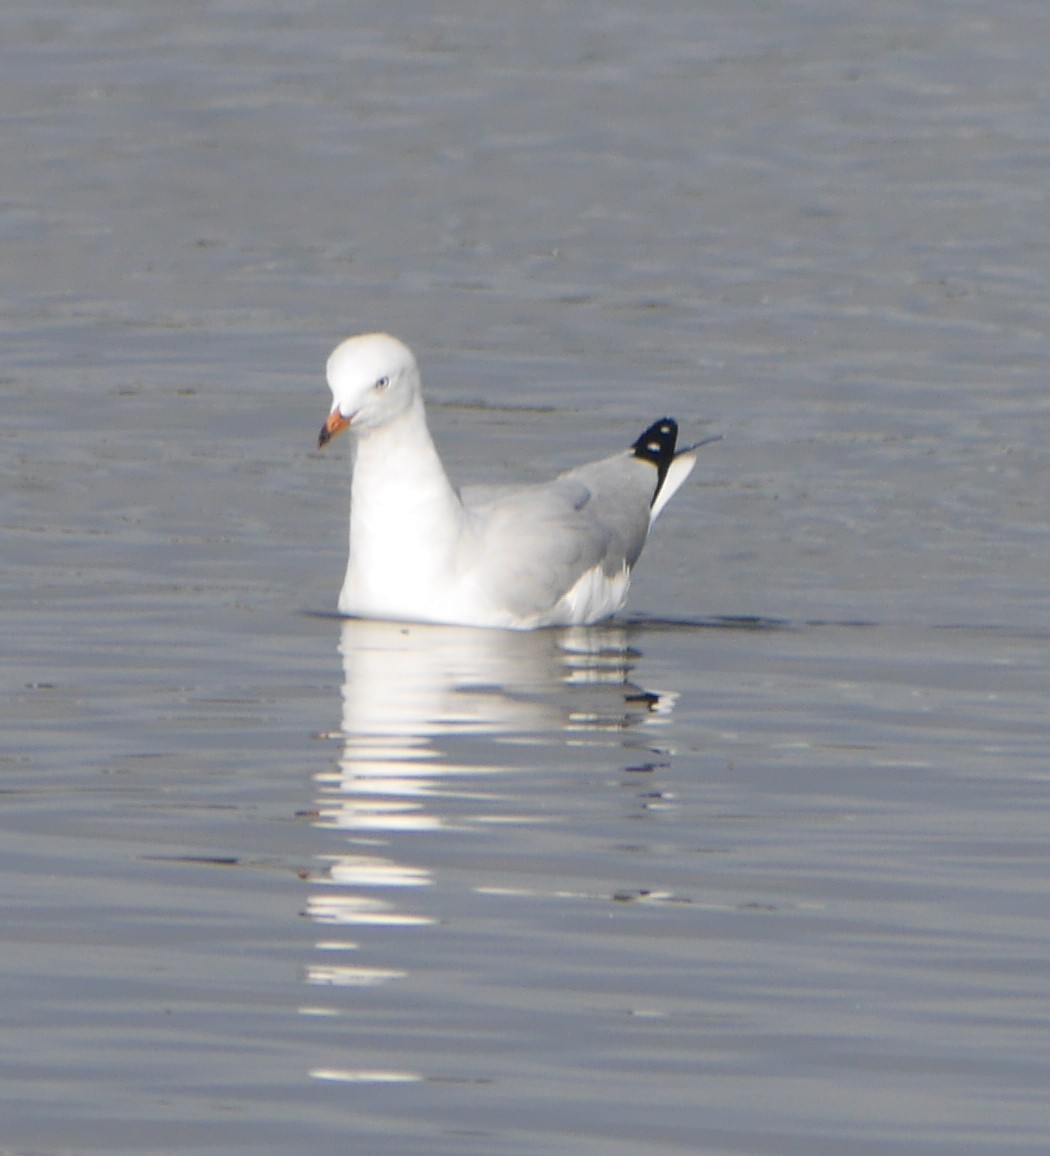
x,y
513,557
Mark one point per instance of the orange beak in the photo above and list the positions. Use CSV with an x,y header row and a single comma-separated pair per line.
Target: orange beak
x,y
335,425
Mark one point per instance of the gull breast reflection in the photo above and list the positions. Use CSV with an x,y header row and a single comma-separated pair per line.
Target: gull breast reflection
x,y
432,718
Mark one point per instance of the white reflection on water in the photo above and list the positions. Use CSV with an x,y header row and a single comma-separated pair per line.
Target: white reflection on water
x,y
432,717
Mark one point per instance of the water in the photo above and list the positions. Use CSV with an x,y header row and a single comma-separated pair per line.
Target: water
x,y
761,867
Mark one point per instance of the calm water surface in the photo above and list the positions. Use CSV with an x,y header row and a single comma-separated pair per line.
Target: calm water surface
x,y
761,868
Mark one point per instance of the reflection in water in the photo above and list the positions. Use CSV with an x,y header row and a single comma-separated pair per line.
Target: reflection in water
x,y
431,715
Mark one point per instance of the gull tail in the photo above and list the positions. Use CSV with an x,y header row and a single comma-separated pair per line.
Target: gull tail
x,y
657,445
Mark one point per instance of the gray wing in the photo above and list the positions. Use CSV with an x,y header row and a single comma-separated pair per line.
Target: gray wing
x,y
535,542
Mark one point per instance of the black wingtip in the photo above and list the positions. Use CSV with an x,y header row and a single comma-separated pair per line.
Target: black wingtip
x,y
657,445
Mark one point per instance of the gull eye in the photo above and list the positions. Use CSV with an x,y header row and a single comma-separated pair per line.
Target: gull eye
x,y
382,383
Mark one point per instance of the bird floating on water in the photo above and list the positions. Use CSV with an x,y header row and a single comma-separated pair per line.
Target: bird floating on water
x,y
517,557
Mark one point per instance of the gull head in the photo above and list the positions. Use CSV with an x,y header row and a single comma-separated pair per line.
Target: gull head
x,y
373,378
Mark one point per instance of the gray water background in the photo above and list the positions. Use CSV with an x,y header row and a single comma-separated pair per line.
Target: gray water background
x,y
761,868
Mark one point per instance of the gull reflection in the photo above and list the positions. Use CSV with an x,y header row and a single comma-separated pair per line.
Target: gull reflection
x,y
432,718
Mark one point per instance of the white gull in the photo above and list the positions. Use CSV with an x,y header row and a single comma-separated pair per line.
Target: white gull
x,y
517,557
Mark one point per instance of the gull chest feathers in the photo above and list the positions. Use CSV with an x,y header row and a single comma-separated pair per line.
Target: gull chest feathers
x,y
406,523
517,557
